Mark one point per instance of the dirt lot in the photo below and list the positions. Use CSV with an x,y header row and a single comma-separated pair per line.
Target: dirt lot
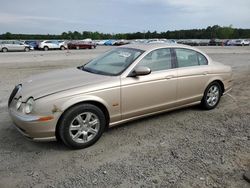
x,y
184,148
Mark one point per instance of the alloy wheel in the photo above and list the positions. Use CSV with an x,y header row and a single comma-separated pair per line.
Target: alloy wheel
x,y
213,95
84,127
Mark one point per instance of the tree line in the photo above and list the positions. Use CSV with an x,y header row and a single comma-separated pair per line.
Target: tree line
x,y
210,32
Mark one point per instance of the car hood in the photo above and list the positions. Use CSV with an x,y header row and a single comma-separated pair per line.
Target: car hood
x,y
57,81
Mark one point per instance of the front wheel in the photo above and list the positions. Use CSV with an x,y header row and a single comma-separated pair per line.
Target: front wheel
x,y
62,48
4,50
81,126
211,96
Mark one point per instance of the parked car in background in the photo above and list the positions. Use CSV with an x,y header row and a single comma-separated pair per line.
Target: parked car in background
x,y
138,41
194,42
33,43
231,42
14,45
215,42
121,42
52,44
151,41
75,105
242,42
81,45
109,42
100,42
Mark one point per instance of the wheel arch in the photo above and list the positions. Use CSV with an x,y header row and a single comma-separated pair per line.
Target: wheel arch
x,y
219,81
4,48
93,102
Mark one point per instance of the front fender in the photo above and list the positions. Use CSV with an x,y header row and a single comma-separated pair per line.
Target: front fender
x,y
78,99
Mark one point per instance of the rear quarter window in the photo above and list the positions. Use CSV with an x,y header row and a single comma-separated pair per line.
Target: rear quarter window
x,y
202,59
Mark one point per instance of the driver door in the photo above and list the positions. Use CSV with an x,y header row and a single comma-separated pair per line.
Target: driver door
x,y
150,93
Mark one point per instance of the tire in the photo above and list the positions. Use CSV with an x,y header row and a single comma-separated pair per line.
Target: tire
x,y
45,48
211,96
26,49
4,50
81,126
77,47
62,48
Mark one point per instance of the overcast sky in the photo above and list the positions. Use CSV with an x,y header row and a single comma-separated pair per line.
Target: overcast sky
x,y
114,16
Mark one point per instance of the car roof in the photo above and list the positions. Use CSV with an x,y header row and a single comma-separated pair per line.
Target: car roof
x,y
151,46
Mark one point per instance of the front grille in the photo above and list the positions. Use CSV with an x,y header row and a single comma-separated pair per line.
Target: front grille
x,y
13,93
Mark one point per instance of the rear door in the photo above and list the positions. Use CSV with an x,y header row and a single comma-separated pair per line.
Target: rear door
x,y
19,45
56,44
193,73
14,46
50,44
150,93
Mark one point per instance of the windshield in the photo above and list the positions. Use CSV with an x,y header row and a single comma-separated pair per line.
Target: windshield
x,y
113,62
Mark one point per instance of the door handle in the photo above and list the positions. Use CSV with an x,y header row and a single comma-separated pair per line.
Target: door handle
x,y
169,77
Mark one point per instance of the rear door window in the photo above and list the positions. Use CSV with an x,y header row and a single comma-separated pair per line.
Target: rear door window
x,y
187,58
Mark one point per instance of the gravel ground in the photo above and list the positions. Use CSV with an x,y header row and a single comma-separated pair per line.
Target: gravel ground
x,y
184,148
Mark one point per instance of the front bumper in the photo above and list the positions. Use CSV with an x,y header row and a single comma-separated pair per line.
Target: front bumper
x,y
32,128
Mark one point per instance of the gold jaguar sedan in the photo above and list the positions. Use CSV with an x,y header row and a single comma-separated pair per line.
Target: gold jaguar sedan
x,y
76,105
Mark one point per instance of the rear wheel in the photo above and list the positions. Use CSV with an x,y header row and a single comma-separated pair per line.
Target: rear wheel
x,y
4,50
81,126
45,48
26,49
211,96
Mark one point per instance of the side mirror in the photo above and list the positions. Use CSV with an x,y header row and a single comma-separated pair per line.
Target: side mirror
x,y
140,71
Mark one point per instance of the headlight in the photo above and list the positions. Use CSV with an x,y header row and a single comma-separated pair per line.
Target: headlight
x,y
19,102
29,105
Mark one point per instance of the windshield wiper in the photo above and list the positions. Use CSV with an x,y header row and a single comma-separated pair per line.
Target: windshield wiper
x,y
83,68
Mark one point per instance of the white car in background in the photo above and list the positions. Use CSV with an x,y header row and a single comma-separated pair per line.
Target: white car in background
x,y
242,42
52,44
100,42
14,45
160,41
